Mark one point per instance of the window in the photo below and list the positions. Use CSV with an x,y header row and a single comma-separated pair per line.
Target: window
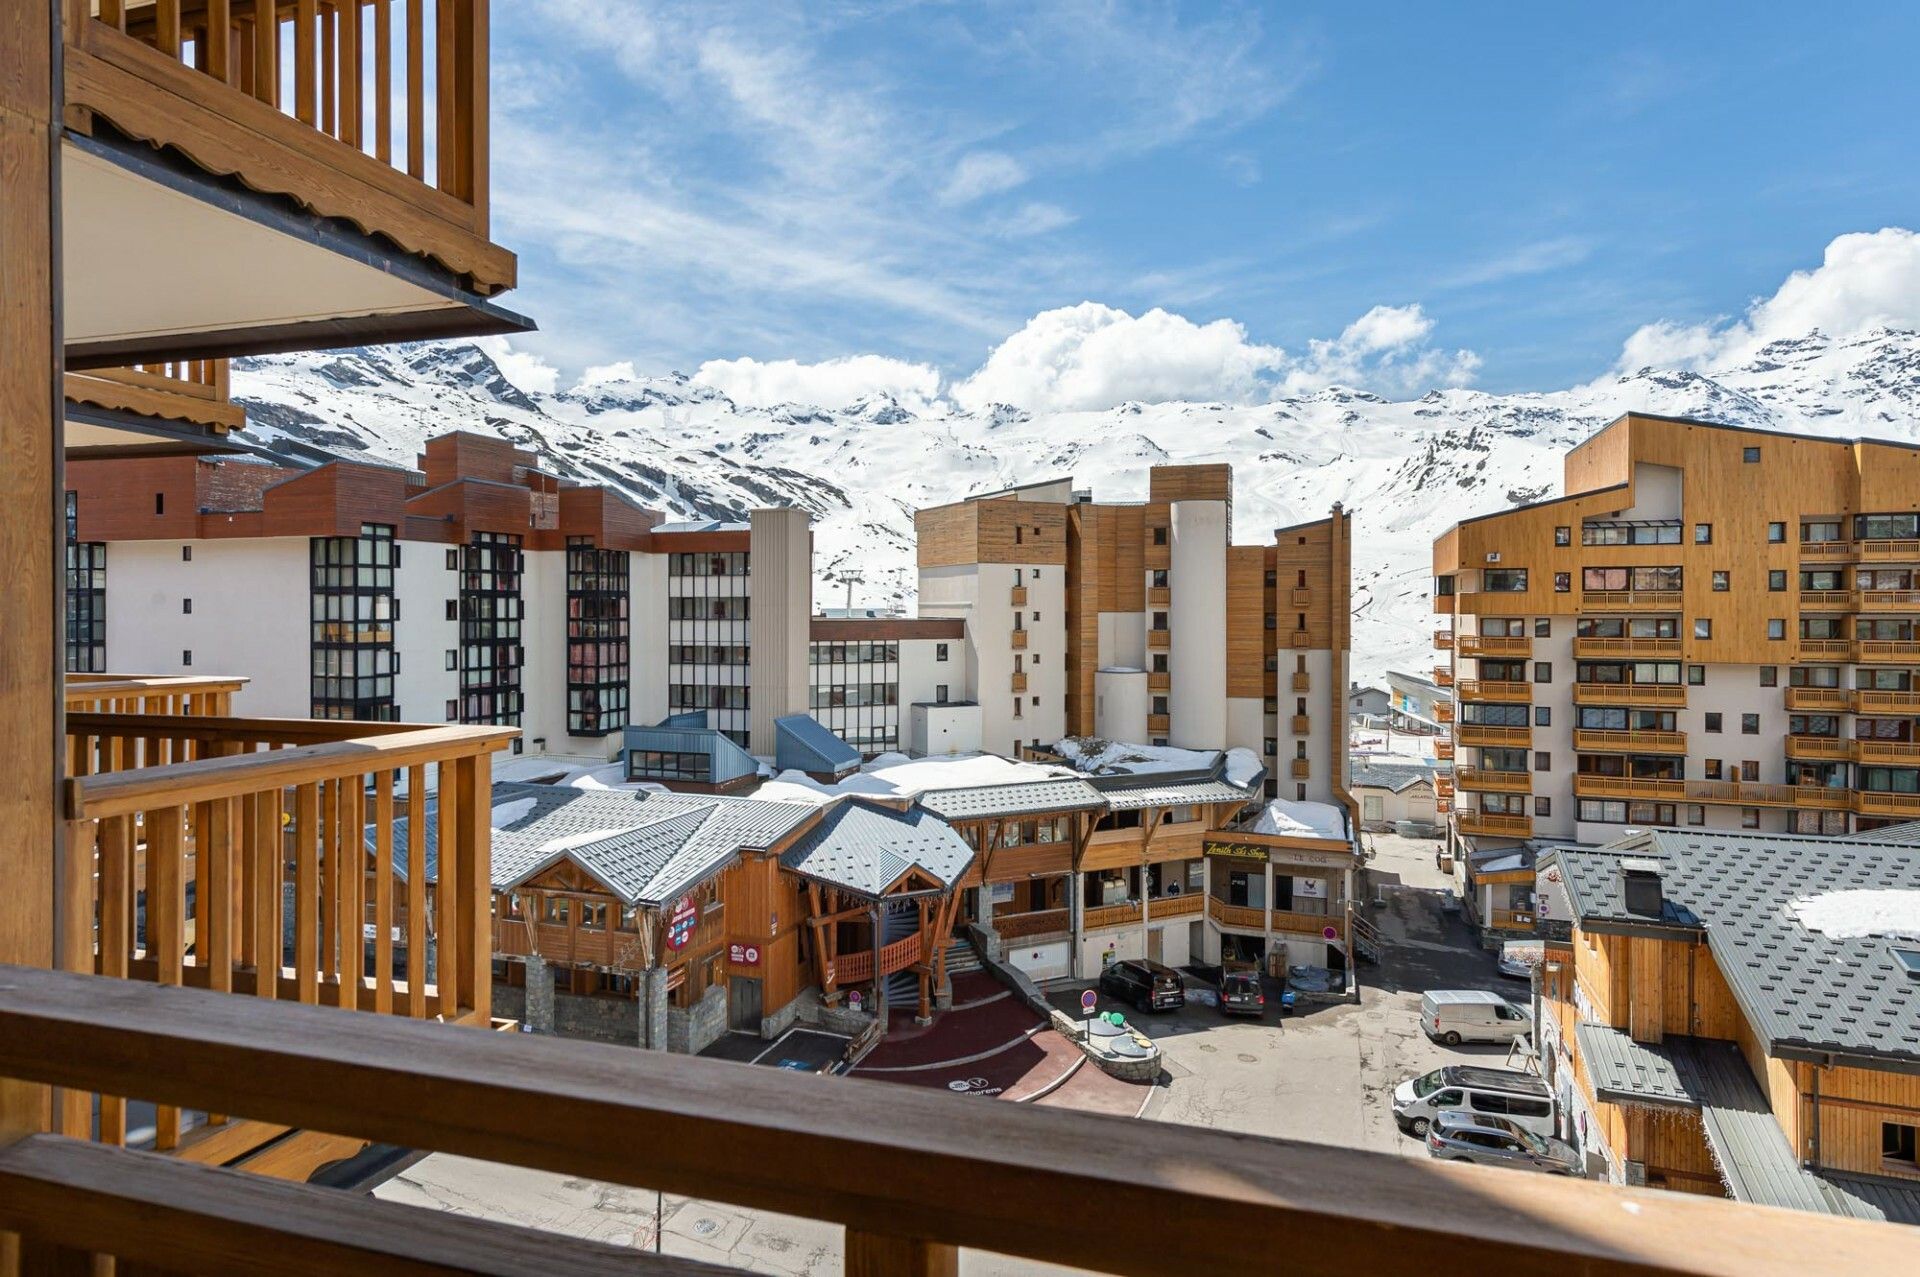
x,y
186,554
1159,705
352,634
1542,716
1697,675
1720,584
1714,769
1898,1143
159,503
453,711
86,605
1035,574
1563,535
1776,629
1713,720
1749,770
939,693
1504,581
1696,814
1769,676
186,657
1703,534
1749,818
1750,455
186,607
491,614
1543,806
1749,724
1542,761
1159,620
1158,578
1702,627
1159,536
1777,533
453,658
1543,627
1562,582
1016,706
598,670
939,651
1543,671
1777,580
453,609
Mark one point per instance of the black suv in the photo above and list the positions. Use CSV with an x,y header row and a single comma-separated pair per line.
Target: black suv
x,y
1149,986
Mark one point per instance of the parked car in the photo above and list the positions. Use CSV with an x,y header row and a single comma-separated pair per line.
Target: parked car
x,y
1243,993
1514,959
1521,1098
1494,1141
1454,1016
1149,986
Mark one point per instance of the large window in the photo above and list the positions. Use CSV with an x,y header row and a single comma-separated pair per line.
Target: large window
x,y
1662,532
1886,527
1504,580
491,612
1613,812
1655,580
855,693
352,617
598,668
708,596
86,597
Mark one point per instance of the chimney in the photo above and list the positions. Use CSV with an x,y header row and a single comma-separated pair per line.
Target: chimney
x,y
1640,884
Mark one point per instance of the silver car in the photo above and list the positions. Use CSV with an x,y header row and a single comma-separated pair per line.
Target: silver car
x,y
1494,1141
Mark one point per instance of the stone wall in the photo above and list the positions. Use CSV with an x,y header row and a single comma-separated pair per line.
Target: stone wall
x,y
699,1026
575,1015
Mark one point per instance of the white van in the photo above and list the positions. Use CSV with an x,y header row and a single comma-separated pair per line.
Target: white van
x,y
1454,1016
1521,1098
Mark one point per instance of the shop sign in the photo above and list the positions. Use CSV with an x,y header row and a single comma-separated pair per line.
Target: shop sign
x,y
1310,888
1235,851
743,955
680,926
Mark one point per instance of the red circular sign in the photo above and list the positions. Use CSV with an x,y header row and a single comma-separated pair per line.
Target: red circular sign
x,y
686,916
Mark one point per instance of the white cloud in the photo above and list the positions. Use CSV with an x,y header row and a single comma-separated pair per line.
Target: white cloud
x,y
523,368
1867,280
1092,356
601,374
1031,219
833,383
1385,349
981,173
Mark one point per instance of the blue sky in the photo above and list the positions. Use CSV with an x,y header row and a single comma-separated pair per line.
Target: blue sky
x,y
765,182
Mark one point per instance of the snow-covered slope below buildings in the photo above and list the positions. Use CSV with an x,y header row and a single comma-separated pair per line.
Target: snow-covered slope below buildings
x,y
1406,469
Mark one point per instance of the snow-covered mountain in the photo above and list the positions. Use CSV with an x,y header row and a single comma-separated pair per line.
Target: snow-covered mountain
x,y
1406,469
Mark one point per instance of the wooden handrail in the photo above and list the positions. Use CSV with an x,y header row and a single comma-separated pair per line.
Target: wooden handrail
x,y
1175,1199
165,1214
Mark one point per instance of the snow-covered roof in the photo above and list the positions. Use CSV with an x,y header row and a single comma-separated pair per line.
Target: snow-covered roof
x,y
1288,818
1097,757
898,776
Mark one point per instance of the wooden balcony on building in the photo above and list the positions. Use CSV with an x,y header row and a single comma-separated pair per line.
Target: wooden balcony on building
x,y
1300,596
190,397
1893,753
1886,651
1443,640
1875,803
1025,926
1160,724
1301,681
1897,550
1443,749
1483,737
1825,649
1443,675
1019,681
1494,824
1633,788
1443,805
1300,639
1479,778
1497,691
1159,681
1159,596
1099,917
1018,640
1626,648
1630,600
1820,748
1017,596
1300,768
145,694
1159,640
1749,794
567,943
1289,922
1479,645
1829,551
477,1095
1443,786
1865,700
1831,699
1239,917
325,151
1299,724
1826,600
1648,695
1886,600
1629,742
1511,920
1443,711
1176,906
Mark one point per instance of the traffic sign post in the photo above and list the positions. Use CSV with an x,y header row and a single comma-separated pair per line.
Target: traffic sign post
x,y
1088,1001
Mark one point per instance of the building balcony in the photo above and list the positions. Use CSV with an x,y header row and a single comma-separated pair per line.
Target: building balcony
x,y
374,126
1834,700
1866,701
1159,596
166,696
1026,926
1099,917
1443,640
1018,640
1443,786
1443,806
1875,803
1017,596
1299,639
1238,917
1443,711
1019,681
1159,640
1633,788
1626,648
1506,693
186,396
1443,675
1326,926
1300,724
1301,681
1630,600
1630,742
1829,551
1491,603
1443,749
1748,794
1300,596
1826,600
1886,651
1899,550
1159,724
1886,600
1896,753
1648,695
1479,645
1832,649
1511,920
1820,748
1481,780
1159,681
1494,824
1300,768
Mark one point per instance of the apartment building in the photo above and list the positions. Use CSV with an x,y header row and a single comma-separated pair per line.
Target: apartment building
x,y
1725,1019
1144,622
1714,627
868,675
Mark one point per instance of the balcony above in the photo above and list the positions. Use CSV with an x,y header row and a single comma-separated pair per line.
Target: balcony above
x,y
1626,648
1018,596
1651,695
1301,681
204,214
1443,675
1833,700
1886,600
1483,737
1630,742
1494,824
178,406
1630,600
1899,550
1479,645
1443,640
1886,651
1864,701
1478,779
1820,748
1018,640
1498,692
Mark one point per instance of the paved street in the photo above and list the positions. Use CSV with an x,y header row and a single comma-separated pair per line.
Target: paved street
x,y
1325,1075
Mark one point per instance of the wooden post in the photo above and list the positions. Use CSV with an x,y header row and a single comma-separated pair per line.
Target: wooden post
x,y
875,1255
30,501
476,886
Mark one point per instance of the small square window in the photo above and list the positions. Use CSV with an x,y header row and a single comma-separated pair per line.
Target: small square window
x,y
1769,676
1720,582
1713,720
1749,818
1542,716
1696,814
1543,671
1563,535
1543,806
1542,761
1776,629
1750,769
1159,536
1749,724
1777,533
1542,627
1562,582
1777,580
1703,534
1898,1142
1702,627
939,651
1697,675
1714,769
1750,455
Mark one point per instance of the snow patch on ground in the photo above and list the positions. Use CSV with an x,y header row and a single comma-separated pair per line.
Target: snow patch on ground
x,y
1285,818
1850,915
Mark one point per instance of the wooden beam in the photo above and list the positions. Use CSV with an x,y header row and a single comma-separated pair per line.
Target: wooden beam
x,y
735,1133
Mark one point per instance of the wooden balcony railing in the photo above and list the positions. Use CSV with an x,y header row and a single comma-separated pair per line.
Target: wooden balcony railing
x,y
1863,701
1826,600
1829,550
1876,803
1301,681
1158,639
1019,681
1886,600
1887,651
1630,600
1443,675
1312,924
1832,699
192,390
1443,711
1443,749
1498,824
753,1137
1896,550
1836,748
1018,640
1654,695
1174,906
139,694
1630,741
1300,768
1498,691
1483,737
1477,778
1479,645
1300,724
1443,786
1640,788
1749,794
1018,596
1039,922
1239,917
338,104
1443,640
156,801
1893,752
1511,920
1098,916
1626,648
1829,648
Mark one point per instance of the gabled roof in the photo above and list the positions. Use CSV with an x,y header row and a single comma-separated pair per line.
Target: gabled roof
x,y
800,743
1394,777
1135,797
627,862
986,801
868,850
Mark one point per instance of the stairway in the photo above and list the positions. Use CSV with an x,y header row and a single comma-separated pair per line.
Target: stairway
x,y
897,922
961,957
1366,937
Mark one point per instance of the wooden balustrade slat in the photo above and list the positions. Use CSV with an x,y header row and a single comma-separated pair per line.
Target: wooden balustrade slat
x,y
306,891
269,908
476,897
383,80
383,892
306,24
446,897
1175,1199
266,51
166,928
416,89
219,40
181,1217
114,14
446,149
417,892
350,103
166,26
329,71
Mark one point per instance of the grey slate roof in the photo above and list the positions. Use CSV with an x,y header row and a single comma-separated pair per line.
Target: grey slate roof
x,y
1203,791
802,743
1906,832
1751,1151
1627,1072
641,862
1393,777
1031,798
865,849
1894,1201
1806,993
